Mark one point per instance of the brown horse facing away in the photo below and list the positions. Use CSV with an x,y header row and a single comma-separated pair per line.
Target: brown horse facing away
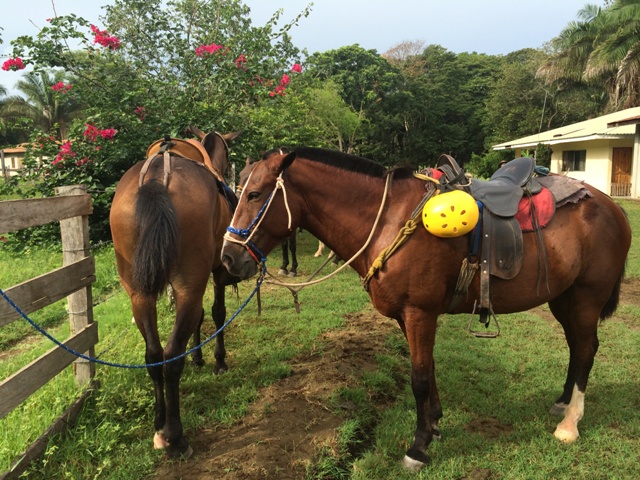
x,y
336,197
172,235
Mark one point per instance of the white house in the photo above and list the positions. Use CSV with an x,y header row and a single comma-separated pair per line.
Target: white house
x,y
603,151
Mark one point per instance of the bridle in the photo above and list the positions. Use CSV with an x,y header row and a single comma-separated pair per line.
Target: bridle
x,y
247,233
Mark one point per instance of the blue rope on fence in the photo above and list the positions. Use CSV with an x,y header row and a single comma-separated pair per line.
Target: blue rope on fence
x,y
148,365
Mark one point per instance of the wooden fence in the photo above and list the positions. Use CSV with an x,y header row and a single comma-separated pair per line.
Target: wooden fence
x,y
72,207
620,189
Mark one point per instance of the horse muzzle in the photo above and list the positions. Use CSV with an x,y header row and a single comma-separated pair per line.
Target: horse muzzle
x,y
239,260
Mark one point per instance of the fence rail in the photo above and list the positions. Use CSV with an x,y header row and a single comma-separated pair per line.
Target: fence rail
x,y
620,189
71,207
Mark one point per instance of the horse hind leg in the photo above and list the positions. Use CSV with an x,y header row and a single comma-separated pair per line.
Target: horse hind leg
x,y
580,323
188,314
145,317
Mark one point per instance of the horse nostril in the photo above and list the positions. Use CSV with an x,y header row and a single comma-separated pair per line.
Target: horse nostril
x,y
227,261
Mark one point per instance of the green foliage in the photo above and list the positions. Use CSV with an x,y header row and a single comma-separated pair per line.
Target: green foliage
x,y
157,68
543,155
483,166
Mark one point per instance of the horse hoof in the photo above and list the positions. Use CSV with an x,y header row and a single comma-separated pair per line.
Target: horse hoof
x,y
566,436
292,274
220,369
558,409
198,362
181,452
411,464
282,271
159,443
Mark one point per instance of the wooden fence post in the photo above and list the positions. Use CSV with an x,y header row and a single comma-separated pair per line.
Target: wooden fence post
x,y
75,246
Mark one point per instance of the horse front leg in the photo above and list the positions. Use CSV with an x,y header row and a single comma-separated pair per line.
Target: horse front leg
x,y
420,330
219,314
196,356
285,259
294,257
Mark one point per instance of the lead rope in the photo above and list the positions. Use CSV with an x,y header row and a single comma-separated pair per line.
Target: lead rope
x,y
348,262
403,235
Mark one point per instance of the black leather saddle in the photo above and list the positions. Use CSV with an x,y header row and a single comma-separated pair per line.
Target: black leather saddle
x,y
502,193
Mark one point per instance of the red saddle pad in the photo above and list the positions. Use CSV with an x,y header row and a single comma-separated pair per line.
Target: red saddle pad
x,y
544,208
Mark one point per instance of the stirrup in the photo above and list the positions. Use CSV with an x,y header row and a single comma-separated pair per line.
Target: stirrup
x,y
485,319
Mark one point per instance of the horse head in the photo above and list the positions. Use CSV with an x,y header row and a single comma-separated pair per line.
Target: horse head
x,y
217,146
246,238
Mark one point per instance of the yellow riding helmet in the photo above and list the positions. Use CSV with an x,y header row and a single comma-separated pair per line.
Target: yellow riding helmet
x,y
450,214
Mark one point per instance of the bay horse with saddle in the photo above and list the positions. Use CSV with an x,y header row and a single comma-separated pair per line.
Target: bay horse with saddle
x,y
421,254
168,217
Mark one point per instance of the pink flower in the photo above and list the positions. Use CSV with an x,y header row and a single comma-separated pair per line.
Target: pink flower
x,y
13,64
92,133
210,49
108,133
140,113
61,87
296,68
64,154
280,89
101,37
3,238
240,61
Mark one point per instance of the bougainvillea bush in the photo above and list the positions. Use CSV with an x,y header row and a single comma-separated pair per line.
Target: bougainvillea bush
x,y
148,69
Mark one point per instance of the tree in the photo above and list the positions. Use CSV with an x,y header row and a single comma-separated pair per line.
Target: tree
x,y
446,106
402,52
155,68
47,102
339,123
602,48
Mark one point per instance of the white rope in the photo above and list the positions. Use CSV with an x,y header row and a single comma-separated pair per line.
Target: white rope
x,y
356,255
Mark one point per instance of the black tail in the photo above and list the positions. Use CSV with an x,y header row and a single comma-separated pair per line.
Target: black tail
x,y
157,248
612,304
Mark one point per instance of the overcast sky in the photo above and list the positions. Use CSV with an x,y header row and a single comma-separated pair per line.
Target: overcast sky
x,y
490,26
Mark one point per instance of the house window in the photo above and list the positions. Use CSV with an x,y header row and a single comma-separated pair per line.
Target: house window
x,y
574,160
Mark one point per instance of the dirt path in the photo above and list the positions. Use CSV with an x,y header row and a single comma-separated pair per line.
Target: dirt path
x,y
287,424
289,421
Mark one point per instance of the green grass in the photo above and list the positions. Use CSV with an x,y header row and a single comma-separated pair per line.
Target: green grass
x,y
495,393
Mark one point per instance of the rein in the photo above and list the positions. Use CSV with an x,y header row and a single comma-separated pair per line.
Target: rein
x,y
248,232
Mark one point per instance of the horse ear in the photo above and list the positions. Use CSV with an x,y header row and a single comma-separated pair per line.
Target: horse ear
x,y
228,137
197,132
286,161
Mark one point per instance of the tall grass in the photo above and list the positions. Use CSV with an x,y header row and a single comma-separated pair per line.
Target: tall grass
x,y
495,393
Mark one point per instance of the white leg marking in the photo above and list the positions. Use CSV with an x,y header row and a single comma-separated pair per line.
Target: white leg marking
x,y
411,464
159,442
567,430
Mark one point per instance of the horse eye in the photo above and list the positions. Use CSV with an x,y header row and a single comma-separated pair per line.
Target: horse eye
x,y
253,195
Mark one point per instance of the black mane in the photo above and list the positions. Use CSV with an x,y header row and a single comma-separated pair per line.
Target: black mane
x,y
351,163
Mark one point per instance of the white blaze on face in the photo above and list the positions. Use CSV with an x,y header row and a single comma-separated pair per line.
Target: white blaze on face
x,y
244,189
